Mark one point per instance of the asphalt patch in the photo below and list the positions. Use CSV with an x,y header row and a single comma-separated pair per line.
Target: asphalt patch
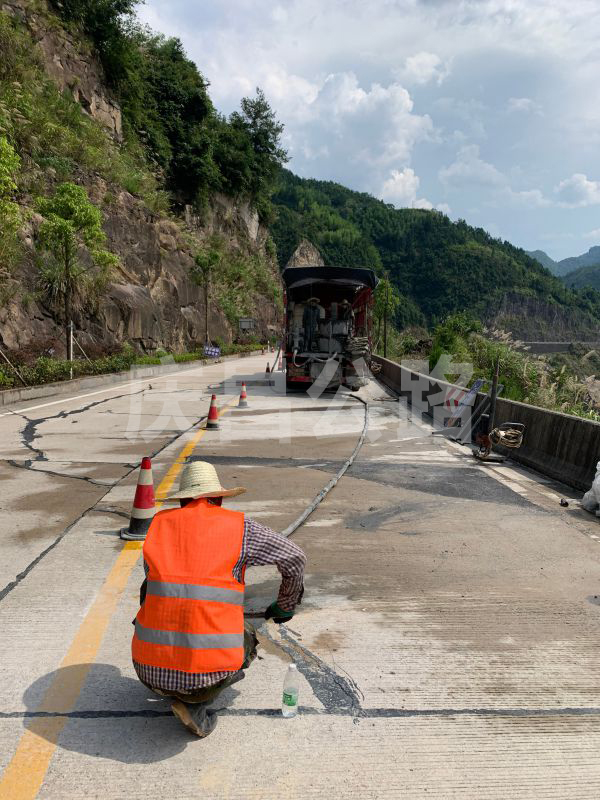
x,y
464,483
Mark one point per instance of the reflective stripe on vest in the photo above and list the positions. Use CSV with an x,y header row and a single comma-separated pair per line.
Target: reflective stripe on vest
x,y
192,619
192,591
197,641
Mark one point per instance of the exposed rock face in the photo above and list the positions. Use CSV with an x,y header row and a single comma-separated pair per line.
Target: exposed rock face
x,y
306,255
64,61
531,319
153,303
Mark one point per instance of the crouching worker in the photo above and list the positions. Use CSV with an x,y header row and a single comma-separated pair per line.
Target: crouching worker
x,y
190,639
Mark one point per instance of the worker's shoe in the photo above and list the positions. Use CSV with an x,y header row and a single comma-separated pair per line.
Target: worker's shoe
x,y
197,718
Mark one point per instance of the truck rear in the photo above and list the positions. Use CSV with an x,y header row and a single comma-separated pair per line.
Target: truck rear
x,y
328,325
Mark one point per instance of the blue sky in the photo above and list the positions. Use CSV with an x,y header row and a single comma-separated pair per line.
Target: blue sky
x,y
486,109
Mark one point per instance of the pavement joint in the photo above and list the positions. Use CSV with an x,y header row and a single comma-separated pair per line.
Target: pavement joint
x,y
366,713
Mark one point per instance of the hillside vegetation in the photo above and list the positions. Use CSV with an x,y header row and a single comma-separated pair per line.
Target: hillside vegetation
x,y
167,108
176,154
438,266
559,382
584,277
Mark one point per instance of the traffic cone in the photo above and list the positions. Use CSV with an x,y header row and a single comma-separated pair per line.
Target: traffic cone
x,y
143,509
243,403
212,421
268,369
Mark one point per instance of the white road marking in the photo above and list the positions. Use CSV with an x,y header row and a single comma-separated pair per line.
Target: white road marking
x,y
68,399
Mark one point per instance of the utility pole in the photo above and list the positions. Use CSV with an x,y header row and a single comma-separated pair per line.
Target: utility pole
x,y
385,313
494,396
67,299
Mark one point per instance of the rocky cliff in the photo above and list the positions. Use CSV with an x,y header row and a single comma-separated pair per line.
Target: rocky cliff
x,y
68,62
152,302
306,255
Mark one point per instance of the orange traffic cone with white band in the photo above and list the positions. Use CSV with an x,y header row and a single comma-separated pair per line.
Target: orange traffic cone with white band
x,y
212,422
143,509
243,403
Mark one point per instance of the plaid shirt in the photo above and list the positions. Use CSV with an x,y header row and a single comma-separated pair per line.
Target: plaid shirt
x,y
260,546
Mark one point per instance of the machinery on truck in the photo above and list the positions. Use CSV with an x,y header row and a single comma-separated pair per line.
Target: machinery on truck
x,y
328,325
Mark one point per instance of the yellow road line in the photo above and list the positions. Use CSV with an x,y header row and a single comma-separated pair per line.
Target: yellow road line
x,y
24,775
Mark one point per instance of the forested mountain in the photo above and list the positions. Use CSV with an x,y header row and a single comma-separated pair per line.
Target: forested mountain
x,y
567,265
584,276
438,265
544,259
589,259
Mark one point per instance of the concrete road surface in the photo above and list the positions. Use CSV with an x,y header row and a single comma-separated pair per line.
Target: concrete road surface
x,y
447,641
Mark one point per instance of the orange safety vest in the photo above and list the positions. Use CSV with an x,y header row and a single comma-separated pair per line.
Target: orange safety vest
x,y
193,616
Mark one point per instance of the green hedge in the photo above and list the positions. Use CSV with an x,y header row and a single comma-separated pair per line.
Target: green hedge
x,y
49,370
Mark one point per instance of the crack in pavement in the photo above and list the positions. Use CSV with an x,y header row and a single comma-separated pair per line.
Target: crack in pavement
x,y
108,510
27,465
29,432
24,573
335,692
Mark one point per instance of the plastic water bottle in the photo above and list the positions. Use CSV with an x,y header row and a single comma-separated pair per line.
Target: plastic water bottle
x,y
291,689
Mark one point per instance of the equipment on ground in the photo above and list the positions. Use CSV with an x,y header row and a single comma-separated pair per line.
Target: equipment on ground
x,y
243,401
509,435
591,499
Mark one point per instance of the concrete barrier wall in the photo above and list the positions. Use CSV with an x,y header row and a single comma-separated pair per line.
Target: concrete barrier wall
x,y
91,382
561,446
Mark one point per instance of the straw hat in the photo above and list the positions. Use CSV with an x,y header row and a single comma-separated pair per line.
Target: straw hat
x,y
200,479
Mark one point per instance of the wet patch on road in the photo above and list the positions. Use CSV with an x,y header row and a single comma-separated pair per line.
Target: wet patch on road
x,y
446,481
374,519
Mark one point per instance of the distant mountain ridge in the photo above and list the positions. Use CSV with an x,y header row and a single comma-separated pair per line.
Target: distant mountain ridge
x,y
582,277
567,265
589,259
544,259
439,266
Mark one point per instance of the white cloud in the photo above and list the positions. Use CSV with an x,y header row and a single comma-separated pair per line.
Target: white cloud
x,y
364,88
524,105
401,187
423,68
595,234
334,122
578,191
469,169
401,190
530,198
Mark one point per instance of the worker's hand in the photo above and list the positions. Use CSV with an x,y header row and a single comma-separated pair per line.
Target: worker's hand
x,y
277,614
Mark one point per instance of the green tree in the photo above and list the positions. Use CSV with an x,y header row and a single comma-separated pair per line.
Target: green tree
x,y
258,122
206,263
387,302
10,215
73,225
